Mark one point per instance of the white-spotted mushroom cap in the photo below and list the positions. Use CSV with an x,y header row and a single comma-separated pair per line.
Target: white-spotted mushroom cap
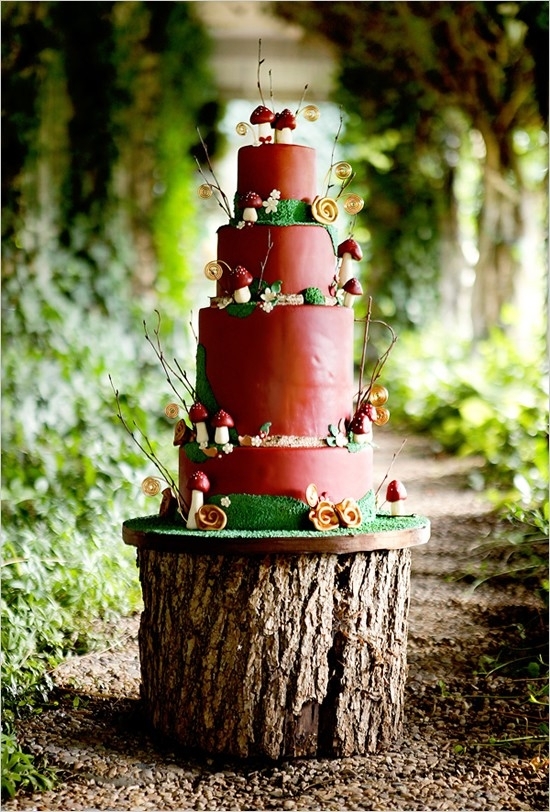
x,y
250,200
262,115
197,413
198,481
352,290
353,286
351,247
368,410
222,419
285,120
240,277
396,491
361,428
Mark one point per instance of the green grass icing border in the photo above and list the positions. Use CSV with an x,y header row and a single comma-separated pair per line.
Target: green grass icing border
x,y
379,524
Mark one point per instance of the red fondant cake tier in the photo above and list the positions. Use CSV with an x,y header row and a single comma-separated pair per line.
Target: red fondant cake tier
x,y
291,367
290,168
284,472
300,256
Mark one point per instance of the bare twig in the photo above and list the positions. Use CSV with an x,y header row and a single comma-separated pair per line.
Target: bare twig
x,y
149,452
337,136
264,263
260,63
223,202
302,99
168,370
379,365
364,349
395,456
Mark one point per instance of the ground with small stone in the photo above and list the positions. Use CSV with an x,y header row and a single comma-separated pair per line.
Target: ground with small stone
x,y
461,702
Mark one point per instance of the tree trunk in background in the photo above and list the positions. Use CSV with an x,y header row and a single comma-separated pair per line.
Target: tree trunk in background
x,y
499,233
455,304
275,656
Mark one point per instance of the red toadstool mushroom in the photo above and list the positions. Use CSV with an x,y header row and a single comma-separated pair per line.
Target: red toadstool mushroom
x,y
396,494
222,422
283,125
240,280
352,291
249,202
361,428
198,483
263,117
369,410
198,415
348,251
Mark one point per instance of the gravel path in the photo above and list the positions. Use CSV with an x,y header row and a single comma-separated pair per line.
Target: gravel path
x,y
94,735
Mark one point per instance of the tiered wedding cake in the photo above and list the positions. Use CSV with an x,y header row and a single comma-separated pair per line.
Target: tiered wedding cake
x,y
281,435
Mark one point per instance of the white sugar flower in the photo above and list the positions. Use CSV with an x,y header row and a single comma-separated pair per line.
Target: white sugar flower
x,y
270,205
275,194
225,501
227,448
256,441
241,224
267,307
269,295
204,445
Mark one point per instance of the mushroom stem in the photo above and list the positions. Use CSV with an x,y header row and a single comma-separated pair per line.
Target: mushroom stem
x,y
265,133
283,136
396,508
221,435
250,215
349,299
345,270
197,501
242,295
361,438
202,433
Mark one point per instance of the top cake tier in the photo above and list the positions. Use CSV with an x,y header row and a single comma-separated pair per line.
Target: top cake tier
x,y
290,168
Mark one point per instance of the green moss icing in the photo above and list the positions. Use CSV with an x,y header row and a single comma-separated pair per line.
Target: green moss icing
x,y
204,392
289,213
194,453
241,311
254,512
313,296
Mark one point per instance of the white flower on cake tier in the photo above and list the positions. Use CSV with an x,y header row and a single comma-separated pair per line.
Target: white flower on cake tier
x,y
228,448
256,441
270,205
225,501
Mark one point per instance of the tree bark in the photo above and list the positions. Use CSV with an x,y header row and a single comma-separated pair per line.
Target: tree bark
x,y
278,655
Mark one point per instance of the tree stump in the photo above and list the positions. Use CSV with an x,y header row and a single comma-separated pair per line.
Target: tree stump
x,y
275,655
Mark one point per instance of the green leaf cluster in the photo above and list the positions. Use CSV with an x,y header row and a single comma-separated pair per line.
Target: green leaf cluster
x,y
490,401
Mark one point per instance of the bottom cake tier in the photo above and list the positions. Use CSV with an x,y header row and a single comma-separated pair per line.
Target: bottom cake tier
x,y
265,488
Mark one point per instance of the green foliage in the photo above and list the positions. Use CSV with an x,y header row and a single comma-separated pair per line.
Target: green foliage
x,y
70,473
20,771
516,552
490,401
